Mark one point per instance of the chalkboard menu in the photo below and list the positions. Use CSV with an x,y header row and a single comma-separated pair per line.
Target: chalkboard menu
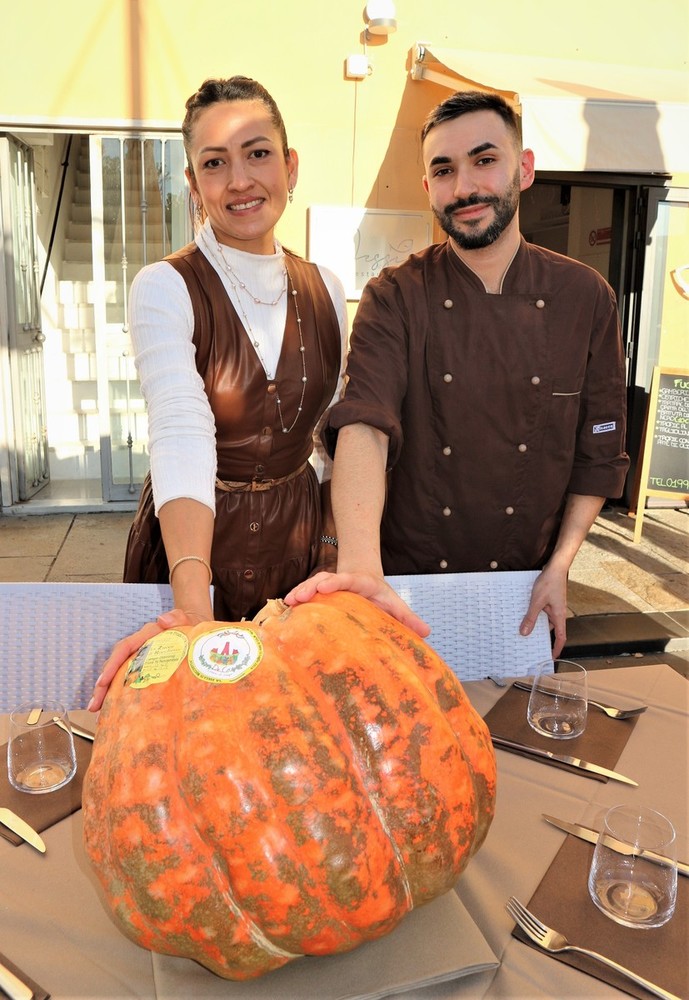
x,y
669,466
665,470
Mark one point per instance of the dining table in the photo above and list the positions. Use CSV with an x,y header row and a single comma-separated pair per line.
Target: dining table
x,y
55,926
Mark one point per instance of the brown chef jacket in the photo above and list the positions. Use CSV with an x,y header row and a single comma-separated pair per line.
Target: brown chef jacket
x,y
496,406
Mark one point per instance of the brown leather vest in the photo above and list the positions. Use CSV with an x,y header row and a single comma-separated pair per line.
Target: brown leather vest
x,y
251,444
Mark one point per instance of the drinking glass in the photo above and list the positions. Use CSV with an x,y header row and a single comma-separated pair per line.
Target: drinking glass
x,y
558,701
40,752
632,890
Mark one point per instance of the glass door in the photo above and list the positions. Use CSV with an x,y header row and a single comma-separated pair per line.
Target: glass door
x,y
664,338
663,335
139,214
27,437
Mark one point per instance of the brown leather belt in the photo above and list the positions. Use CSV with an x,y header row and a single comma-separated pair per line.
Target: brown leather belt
x,y
257,485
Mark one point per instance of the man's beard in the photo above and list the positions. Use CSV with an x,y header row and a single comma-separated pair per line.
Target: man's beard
x,y
505,208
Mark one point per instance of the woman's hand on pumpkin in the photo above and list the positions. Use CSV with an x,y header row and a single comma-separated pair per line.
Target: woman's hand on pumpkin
x,y
126,647
374,588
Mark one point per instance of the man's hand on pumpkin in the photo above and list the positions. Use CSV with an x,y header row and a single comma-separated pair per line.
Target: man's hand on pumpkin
x,y
128,646
366,585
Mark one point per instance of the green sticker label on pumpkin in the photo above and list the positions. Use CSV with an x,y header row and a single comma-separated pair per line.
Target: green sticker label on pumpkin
x,y
157,659
227,655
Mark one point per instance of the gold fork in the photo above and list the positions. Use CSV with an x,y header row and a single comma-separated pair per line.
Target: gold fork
x,y
553,941
611,710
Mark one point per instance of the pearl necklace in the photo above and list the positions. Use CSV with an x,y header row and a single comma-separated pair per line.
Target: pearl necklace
x,y
236,280
257,346
236,284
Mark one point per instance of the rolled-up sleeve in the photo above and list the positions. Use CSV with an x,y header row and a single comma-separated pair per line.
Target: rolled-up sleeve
x,y
600,461
377,366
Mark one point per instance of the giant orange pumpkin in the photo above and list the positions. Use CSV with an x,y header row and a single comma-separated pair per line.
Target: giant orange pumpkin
x,y
261,792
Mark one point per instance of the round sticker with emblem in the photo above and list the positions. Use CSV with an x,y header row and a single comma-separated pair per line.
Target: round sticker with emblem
x,y
227,655
157,659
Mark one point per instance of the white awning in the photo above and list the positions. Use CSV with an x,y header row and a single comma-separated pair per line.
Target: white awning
x,y
578,115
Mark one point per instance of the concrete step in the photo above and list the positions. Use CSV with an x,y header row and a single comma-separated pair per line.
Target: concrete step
x,y
82,272
112,197
77,316
81,214
79,231
628,632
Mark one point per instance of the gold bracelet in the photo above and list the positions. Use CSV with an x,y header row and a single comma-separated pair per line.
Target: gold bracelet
x,y
195,559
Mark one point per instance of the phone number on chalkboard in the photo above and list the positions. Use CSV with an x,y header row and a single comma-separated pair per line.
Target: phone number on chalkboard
x,y
660,483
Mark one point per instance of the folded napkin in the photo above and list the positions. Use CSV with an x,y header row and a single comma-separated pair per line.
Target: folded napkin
x,y
434,944
562,901
48,808
38,992
602,741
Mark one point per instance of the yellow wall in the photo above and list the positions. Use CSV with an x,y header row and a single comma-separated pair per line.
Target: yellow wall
x,y
674,338
137,60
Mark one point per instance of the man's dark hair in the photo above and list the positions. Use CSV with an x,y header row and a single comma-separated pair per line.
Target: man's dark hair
x,y
467,101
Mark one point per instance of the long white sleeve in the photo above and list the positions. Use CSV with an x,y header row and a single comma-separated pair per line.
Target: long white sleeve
x,y
181,426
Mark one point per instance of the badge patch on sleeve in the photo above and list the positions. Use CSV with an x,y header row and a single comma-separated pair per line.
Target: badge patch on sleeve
x,y
604,428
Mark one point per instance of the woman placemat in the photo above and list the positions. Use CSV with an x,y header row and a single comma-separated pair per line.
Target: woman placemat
x,y
48,808
602,741
562,901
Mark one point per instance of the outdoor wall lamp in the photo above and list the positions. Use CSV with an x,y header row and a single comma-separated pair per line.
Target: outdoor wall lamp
x,y
380,17
380,21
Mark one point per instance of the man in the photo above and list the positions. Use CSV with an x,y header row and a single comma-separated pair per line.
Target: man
x,y
485,382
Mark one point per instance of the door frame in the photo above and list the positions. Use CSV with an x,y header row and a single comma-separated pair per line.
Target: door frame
x,y
106,330
631,277
17,466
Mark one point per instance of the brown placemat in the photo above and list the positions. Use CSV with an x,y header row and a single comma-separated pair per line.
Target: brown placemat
x,y
42,811
602,741
562,901
38,992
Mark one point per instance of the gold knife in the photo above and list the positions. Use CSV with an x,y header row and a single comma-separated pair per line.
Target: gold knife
x,y
591,836
576,762
17,825
13,986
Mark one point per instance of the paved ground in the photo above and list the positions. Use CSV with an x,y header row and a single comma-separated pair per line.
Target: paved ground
x,y
612,575
625,599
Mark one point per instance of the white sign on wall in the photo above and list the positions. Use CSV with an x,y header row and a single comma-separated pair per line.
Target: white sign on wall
x,y
357,243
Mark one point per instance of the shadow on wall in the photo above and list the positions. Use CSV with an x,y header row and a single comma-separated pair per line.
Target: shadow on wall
x,y
398,182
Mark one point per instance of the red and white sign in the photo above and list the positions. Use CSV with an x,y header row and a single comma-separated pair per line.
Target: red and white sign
x,y
599,237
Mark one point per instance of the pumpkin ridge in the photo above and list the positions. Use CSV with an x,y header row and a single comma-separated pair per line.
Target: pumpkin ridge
x,y
359,760
450,695
340,686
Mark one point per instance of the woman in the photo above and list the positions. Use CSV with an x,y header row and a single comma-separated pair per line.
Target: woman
x,y
240,348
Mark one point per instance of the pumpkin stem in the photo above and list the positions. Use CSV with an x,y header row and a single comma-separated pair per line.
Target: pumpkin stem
x,y
271,609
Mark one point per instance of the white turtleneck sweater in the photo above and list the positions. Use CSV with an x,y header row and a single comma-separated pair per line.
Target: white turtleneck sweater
x,y
181,427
